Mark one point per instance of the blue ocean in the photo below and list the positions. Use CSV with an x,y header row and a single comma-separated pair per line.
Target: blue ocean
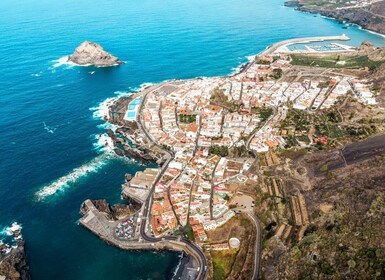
x,y
49,111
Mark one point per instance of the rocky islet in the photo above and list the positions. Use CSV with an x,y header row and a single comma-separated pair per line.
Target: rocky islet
x,y
89,53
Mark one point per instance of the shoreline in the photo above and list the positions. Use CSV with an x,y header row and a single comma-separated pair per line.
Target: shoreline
x,y
134,132
115,116
298,6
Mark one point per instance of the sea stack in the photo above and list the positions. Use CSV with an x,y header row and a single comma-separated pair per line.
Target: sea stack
x,y
89,53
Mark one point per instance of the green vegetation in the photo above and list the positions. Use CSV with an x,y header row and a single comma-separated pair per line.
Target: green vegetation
x,y
299,125
187,231
335,61
325,4
240,151
216,138
263,61
277,73
222,262
263,112
290,142
222,151
187,118
166,147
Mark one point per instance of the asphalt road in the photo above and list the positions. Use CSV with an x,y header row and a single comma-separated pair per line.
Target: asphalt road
x,y
199,256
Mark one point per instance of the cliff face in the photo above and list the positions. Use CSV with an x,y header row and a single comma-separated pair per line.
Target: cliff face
x,y
14,266
89,53
371,17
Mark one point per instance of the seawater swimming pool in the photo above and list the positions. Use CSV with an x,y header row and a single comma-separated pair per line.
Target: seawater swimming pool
x,y
132,109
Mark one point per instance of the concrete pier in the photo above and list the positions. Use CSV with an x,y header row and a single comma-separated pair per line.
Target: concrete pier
x,y
282,46
98,223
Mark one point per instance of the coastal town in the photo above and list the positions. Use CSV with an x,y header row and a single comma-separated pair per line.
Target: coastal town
x,y
215,140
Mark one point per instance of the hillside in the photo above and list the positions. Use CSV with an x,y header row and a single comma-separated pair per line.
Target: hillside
x,y
369,16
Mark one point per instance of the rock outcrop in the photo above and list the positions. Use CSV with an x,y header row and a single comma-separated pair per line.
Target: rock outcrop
x,y
89,53
115,212
371,17
13,265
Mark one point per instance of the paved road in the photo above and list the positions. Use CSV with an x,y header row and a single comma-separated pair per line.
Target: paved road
x,y
275,109
194,249
258,244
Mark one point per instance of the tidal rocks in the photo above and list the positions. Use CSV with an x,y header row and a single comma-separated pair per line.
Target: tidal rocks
x,y
371,17
115,212
89,53
293,3
13,264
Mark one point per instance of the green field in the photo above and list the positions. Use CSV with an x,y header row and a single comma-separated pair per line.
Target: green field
x,y
325,3
334,61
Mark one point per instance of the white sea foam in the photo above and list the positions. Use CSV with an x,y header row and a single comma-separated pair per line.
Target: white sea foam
x,y
144,86
236,70
104,144
101,111
63,61
9,236
9,231
106,126
123,93
132,90
50,129
37,74
178,266
370,31
65,181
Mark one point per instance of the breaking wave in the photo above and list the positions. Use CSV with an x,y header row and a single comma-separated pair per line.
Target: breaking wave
x,y
62,61
9,236
8,231
104,144
237,70
65,181
49,129
101,111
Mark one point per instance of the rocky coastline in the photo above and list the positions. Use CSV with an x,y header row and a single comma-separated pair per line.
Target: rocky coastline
x,y
114,212
89,53
128,139
102,208
13,259
371,19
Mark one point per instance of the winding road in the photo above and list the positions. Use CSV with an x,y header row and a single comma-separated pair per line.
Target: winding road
x,y
190,247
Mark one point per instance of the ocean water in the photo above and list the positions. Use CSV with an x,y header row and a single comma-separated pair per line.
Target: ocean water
x,y
49,132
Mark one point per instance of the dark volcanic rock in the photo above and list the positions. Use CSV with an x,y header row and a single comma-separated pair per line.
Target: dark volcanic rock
x,y
128,177
371,18
14,265
294,3
115,212
89,53
103,206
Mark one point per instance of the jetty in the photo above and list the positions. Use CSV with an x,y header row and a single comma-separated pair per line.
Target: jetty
x,y
106,229
282,47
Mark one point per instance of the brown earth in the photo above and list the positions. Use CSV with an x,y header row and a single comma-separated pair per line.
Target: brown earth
x,y
371,18
346,203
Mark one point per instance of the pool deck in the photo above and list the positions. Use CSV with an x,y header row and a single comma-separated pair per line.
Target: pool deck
x,y
136,103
